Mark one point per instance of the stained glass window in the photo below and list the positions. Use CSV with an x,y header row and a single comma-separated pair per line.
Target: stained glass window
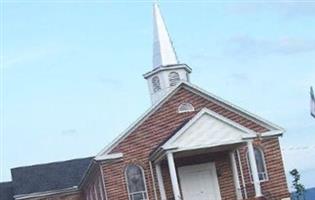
x,y
135,183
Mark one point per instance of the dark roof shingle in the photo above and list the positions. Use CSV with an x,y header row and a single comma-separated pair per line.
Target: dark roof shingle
x,y
47,177
6,191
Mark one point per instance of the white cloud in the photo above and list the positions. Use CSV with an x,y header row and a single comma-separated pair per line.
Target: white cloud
x,y
247,45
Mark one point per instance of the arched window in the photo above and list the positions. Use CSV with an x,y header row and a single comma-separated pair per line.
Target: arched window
x,y
185,107
156,84
135,183
260,162
173,78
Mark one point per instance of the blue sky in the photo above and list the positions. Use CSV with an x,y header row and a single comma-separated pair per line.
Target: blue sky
x,y
73,71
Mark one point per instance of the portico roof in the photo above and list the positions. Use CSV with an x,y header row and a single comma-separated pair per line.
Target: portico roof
x,y
208,129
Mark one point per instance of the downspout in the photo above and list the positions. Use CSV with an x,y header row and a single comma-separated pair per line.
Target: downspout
x,y
238,190
153,180
103,181
241,171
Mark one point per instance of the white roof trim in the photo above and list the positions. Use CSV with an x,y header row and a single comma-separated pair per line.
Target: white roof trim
x,y
196,90
47,193
259,120
204,111
109,157
206,146
275,133
166,68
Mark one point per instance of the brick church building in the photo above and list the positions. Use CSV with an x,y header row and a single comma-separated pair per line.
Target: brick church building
x,y
189,145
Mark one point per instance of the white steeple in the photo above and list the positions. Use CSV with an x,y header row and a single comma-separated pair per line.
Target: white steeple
x,y
163,51
167,72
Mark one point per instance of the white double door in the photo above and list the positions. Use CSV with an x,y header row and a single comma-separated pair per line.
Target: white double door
x,y
199,182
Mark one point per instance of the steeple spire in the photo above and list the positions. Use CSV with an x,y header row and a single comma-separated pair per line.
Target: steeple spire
x,y
163,51
167,72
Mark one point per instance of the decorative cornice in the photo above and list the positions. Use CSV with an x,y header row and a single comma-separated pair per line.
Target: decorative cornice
x,y
166,68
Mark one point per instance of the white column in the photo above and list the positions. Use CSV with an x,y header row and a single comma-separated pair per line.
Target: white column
x,y
253,167
160,181
235,177
174,180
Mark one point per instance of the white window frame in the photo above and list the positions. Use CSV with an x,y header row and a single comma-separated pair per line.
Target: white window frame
x,y
264,163
184,104
144,181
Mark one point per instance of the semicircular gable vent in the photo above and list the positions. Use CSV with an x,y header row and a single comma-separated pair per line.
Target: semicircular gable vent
x,y
185,107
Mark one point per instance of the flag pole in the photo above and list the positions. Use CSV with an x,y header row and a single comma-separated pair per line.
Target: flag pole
x,y
312,102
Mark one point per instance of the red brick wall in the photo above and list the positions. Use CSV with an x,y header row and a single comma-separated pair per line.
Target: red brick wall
x,y
155,129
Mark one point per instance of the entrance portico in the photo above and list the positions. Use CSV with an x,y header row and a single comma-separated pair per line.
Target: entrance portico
x,y
212,136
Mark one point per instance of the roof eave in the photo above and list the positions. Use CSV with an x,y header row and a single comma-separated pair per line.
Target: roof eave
x,y
259,120
73,189
166,68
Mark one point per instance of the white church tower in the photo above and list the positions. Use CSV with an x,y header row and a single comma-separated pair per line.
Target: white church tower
x,y
167,71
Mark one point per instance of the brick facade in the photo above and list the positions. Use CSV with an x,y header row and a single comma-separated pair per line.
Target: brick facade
x,y
137,147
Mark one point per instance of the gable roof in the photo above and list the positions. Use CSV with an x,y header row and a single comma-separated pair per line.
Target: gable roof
x,y
6,191
50,176
227,105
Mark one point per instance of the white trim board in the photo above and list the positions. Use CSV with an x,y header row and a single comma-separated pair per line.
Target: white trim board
x,y
234,108
109,157
165,68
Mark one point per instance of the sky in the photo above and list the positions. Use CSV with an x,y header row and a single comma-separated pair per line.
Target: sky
x,y
72,71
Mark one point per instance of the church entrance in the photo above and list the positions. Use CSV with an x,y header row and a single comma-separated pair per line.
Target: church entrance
x,y
199,182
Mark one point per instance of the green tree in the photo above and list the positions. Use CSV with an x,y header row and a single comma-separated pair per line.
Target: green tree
x,y
297,185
